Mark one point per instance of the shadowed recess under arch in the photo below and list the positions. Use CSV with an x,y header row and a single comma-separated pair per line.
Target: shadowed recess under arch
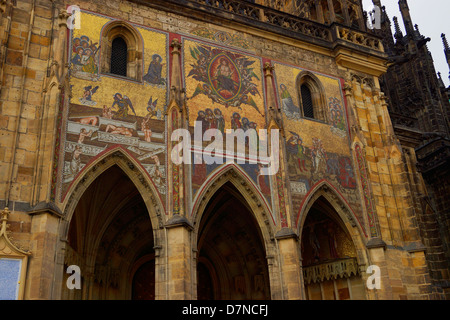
x,y
231,253
110,231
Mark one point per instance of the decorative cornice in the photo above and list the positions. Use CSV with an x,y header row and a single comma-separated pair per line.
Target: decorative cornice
x,y
46,207
375,243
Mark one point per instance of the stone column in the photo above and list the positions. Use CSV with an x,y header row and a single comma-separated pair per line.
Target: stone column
x,y
377,257
180,265
44,234
176,118
289,259
290,264
274,123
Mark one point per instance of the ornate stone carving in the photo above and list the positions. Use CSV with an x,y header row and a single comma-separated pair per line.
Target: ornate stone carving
x,y
7,245
344,268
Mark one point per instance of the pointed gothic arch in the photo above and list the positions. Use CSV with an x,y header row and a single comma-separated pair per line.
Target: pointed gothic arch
x,y
230,179
344,211
115,156
235,175
140,209
325,274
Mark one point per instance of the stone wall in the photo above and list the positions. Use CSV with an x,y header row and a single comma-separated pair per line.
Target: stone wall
x,y
381,211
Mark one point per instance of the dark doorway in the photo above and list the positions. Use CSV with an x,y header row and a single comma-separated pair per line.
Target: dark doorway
x,y
232,259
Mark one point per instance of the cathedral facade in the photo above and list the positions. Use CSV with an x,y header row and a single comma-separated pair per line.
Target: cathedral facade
x,y
97,97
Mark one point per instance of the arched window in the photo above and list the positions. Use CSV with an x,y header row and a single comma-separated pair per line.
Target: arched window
x,y
311,97
119,57
122,50
307,103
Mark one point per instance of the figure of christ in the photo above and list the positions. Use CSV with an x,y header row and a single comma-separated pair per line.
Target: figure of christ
x,y
83,134
223,75
119,130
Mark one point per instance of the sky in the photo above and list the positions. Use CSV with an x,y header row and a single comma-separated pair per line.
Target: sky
x,y
432,17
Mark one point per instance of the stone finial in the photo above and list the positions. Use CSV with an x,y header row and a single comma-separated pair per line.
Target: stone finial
x,y
4,218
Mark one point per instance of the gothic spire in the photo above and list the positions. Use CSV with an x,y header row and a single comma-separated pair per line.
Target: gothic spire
x,y
398,33
446,49
376,3
444,40
407,21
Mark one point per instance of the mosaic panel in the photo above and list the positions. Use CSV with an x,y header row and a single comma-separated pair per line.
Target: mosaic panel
x,y
107,110
224,89
315,150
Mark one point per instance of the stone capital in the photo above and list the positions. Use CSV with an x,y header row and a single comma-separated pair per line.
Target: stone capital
x,y
62,18
176,46
268,69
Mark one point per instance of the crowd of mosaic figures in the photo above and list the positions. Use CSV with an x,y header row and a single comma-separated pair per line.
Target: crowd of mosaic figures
x,y
213,119
84,52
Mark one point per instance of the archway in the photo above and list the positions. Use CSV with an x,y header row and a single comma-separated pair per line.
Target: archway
x,y
231,261
329,256
110,238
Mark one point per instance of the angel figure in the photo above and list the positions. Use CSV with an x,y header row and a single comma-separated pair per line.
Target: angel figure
x,y
122,103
